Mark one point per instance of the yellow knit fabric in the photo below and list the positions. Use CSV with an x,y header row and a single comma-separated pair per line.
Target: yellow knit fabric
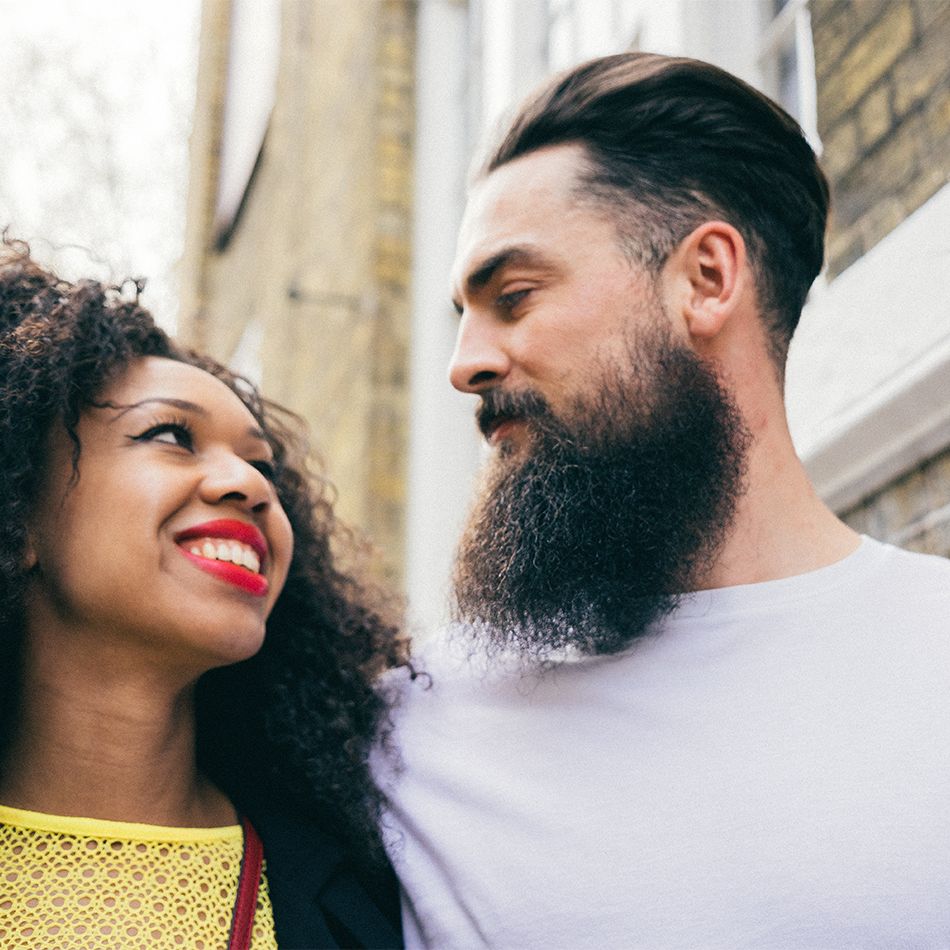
x,y
70,883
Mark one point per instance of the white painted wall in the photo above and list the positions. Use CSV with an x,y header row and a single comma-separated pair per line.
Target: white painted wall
x,y
443,448
514,47
868,386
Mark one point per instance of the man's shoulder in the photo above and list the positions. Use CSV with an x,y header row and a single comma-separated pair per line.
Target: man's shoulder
x,y
885,585
917,568
879,567
899,599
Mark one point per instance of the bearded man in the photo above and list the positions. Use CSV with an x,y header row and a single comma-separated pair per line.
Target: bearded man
x,y
682,705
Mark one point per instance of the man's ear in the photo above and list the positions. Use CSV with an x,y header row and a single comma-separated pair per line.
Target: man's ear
x,y
712,277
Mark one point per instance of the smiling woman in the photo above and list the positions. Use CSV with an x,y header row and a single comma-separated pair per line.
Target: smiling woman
x,y
185,670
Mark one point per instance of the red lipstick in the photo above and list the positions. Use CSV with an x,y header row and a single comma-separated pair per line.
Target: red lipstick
x,y
236,574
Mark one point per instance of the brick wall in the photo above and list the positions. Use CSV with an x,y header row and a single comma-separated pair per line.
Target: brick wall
x,y
317,268
914,512
883,71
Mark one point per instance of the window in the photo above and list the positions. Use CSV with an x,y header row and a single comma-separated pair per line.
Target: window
x,y
787,61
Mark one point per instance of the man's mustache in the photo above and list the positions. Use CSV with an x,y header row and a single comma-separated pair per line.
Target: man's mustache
x,y
498,406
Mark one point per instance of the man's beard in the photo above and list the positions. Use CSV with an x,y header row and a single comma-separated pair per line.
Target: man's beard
x,y
583,538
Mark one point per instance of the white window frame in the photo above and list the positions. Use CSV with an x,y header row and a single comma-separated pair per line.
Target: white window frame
x,y
790,30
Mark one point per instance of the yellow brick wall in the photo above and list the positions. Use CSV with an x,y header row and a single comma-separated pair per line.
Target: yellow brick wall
x,y
883,72
914,512
319,259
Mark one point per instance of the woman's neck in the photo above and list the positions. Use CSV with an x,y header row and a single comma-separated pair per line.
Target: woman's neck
x,y
120,749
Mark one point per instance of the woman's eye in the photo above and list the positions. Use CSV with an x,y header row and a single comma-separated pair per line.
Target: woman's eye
x,y
168,433
265,467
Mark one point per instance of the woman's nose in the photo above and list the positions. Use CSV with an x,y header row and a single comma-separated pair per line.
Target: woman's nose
x,y
228,477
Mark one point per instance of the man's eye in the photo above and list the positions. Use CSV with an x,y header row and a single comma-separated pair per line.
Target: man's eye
x,y
168,433
511,300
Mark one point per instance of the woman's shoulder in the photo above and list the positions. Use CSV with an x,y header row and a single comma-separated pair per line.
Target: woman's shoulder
x,y
321,895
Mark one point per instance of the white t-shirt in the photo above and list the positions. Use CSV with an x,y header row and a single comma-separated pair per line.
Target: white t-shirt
x,y
771,770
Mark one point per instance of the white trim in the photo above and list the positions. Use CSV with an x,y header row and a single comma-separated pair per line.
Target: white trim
x,y
781,30
807,79
869,372
791,30
900,426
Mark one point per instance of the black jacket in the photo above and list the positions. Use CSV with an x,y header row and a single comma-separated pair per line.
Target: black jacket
x,y
319,897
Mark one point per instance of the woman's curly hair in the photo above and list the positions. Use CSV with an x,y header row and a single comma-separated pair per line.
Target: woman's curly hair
x,y
289,729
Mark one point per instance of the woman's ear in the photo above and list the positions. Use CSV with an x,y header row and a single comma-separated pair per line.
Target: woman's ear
x,y
29,559
713,276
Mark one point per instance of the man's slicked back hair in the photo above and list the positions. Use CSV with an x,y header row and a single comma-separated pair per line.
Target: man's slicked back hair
x,y
673,142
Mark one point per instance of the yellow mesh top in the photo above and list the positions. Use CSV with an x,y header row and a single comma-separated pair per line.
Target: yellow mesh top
x,y
80,882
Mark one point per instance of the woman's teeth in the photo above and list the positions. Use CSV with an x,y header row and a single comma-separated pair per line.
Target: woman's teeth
x,y
216,549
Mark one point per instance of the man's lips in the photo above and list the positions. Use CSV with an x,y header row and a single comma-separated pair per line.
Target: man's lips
x,y
233,551
502,428
496,426
504,415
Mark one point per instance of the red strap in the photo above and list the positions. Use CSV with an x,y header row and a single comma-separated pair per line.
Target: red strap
x,y
242,920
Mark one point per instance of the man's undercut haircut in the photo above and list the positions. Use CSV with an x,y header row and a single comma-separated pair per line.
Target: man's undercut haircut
x,y
674,142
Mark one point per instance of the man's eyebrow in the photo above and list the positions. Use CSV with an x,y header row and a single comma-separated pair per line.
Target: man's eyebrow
x,y
482,273
183,404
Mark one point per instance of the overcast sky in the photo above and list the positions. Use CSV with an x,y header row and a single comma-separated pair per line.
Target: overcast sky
x,y
96,99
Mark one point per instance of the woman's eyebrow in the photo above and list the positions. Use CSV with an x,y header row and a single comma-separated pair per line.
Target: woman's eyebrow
x,y
183,404
164,400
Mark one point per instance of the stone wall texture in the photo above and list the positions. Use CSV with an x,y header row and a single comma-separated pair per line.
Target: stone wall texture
x,y
913,512
316,269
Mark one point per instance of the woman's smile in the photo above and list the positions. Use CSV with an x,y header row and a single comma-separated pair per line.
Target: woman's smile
x,y
233,551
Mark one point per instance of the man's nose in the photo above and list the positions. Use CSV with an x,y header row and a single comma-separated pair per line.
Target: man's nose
x,y
480,359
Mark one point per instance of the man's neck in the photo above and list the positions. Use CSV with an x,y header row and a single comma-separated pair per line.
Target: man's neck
x,y
781,527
